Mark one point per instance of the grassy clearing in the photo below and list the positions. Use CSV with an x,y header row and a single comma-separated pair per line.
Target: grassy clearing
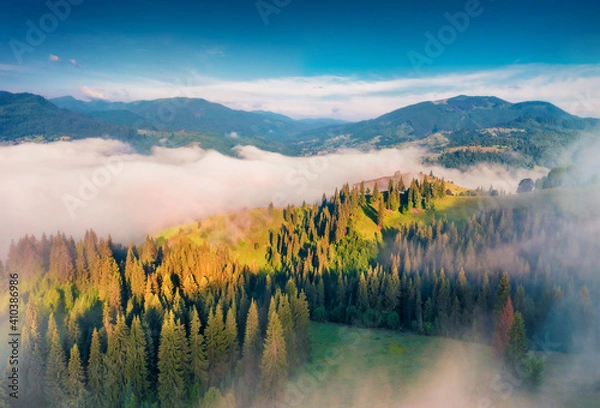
x,y
354,367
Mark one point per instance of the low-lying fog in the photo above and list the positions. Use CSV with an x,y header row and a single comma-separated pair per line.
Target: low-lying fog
x,y
105,185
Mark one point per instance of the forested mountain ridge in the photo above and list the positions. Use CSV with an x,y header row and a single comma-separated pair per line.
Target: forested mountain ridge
x,y
188,317
26,117
457,132
418,233
464,130
194,115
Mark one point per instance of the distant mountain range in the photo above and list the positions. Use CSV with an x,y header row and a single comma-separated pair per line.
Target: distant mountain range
x,y
195,115
29,116
458,131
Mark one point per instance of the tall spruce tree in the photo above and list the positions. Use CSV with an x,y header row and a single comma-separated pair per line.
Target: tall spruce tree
x,y
284,311
95,372
516,349
198,360
114,363
33,350
274,364
56,369
171,384
380,214
136,370
76,392
252,349
231,334
216,347
502,293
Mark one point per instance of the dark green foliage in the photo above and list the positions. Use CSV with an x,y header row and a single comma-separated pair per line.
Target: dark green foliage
x,y
502,293
526,186
466,157
231,341
216,347
435,276
114,380
76,392
516,349
136,371
251,352
56,378
533,370
198,361
525,133
171,377
274,362
34,352
26,115
380,213
95,372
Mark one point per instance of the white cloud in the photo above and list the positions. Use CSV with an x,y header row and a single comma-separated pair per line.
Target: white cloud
x,y
94,93
571,87
53,58
74,62
102,184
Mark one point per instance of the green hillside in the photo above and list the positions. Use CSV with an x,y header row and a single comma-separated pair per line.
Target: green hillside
x,y
27,117
246,233
462,131
366,368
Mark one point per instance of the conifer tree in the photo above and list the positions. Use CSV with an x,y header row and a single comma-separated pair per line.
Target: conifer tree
x,y
301,314
503,325
274,364
516,349
231,334
392,290
171,375
380,214
33,349
252,346
284,311
362,201
76,392
393,196
114,380
56,369
136,370
216,347
502,293
376,196
198,361
363,294
183,344
95,370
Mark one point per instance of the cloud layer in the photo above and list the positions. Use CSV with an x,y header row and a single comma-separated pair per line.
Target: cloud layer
x,y
571,87
102,184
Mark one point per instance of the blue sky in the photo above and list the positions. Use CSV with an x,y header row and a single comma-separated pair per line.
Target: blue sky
x,y
342,58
